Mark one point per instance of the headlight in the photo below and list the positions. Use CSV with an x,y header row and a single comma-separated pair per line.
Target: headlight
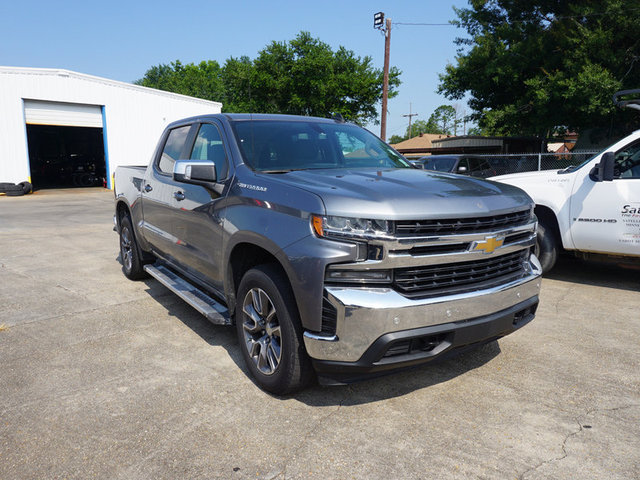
x,y
331,226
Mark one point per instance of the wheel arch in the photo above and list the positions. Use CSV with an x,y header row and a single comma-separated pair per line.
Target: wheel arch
x,y
244,255
548,217
122,210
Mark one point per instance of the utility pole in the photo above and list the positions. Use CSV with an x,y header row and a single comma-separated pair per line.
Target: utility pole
x,y
410,115
378,20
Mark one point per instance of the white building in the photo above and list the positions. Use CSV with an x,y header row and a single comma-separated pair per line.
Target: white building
x,y
60,128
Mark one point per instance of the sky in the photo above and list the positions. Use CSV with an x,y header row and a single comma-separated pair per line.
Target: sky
x,y
120,40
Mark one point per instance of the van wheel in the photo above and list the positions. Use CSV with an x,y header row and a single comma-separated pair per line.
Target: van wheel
x,y
546,248
132,265
270,333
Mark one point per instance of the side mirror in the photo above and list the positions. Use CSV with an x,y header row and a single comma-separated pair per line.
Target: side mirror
x,y
603,171
197,172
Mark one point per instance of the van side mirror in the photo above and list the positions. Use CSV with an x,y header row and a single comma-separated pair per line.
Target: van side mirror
x,y
603,171
197,172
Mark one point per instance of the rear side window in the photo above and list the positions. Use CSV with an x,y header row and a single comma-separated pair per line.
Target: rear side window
x,y
173,148
208,146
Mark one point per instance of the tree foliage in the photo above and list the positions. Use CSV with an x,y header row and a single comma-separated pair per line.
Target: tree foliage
x,y
531,67
443,120
303,77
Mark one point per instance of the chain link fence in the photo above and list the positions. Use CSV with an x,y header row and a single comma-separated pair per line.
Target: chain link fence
x,y
528,162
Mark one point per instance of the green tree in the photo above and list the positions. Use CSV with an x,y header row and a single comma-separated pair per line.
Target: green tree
x,y
533,66
203,80
303,77
397,139
443,120
418,127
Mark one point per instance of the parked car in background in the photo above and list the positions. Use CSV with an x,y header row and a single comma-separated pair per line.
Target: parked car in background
x,y
463,164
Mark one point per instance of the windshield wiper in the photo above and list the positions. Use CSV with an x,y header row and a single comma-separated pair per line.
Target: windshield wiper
x,y
287,170
569,169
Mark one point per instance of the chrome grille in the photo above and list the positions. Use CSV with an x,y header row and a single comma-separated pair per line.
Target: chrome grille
x,y
450,279
456,226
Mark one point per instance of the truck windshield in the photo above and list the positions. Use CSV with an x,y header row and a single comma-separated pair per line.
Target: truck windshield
x,y
280,146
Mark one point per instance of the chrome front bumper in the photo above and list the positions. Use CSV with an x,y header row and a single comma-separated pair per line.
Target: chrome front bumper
x,y
365,314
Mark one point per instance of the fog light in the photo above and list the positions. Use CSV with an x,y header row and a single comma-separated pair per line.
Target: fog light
x,y
358,276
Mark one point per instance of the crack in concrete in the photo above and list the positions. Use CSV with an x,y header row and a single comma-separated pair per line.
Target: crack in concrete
x,y
78,312
562,299
282,473
16,272
31,277
580,422
48,398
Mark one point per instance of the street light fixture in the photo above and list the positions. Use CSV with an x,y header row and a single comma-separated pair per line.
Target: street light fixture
x,y
378,20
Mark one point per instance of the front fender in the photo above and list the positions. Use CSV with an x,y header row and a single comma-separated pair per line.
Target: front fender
x,y
287,237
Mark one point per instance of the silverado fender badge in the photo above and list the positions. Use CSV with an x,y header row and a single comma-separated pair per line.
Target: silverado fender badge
x,y
488,245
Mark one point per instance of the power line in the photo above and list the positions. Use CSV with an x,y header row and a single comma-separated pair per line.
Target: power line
x,y
427,24
564,17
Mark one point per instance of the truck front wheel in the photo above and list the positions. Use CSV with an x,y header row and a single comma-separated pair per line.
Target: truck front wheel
x,y
270,333
546,248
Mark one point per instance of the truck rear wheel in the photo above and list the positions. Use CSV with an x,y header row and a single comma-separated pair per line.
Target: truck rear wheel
x,y
132,265
270,333
546,248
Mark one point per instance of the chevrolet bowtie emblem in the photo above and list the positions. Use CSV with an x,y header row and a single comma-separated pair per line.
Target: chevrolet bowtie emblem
x,y
488,245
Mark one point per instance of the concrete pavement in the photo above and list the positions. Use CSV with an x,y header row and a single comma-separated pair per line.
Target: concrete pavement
x,y
101,377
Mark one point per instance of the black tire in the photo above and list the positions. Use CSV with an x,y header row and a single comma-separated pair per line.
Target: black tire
x,y
132,265
26,187
270,333
546,248
14,193
10,188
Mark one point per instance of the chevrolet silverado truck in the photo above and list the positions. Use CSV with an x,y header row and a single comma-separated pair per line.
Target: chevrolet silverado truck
x,y
331,255
591,210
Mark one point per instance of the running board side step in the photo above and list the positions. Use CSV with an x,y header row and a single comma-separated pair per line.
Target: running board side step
x,y
214,311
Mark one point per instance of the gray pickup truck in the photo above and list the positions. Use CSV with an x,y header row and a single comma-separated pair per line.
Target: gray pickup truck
x,y
330,253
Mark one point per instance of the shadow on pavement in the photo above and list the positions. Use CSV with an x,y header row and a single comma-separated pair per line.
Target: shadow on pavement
x,y
380,388
575,270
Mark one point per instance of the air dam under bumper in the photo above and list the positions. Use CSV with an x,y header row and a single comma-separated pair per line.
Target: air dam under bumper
x,y
366,317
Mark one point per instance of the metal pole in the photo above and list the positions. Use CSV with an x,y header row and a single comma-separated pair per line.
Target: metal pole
x,y
410,115
539,161
385,84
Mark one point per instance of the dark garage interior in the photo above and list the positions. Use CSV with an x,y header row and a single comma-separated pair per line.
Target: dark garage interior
x,y
66,157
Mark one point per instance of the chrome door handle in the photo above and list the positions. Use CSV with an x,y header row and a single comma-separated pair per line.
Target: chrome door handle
x,y
178,196
148,188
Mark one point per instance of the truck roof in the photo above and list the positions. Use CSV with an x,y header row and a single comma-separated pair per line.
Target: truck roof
x,y
240,117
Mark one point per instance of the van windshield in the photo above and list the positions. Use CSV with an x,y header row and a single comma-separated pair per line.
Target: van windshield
x,y
280,146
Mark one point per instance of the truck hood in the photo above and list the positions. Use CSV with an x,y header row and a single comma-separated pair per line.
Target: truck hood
x,y
403,194
537,176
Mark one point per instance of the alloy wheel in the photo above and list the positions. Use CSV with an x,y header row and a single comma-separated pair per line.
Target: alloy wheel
x,y
262,334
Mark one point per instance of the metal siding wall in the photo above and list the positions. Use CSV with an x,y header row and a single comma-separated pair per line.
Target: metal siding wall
x,y
134,117
14,165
